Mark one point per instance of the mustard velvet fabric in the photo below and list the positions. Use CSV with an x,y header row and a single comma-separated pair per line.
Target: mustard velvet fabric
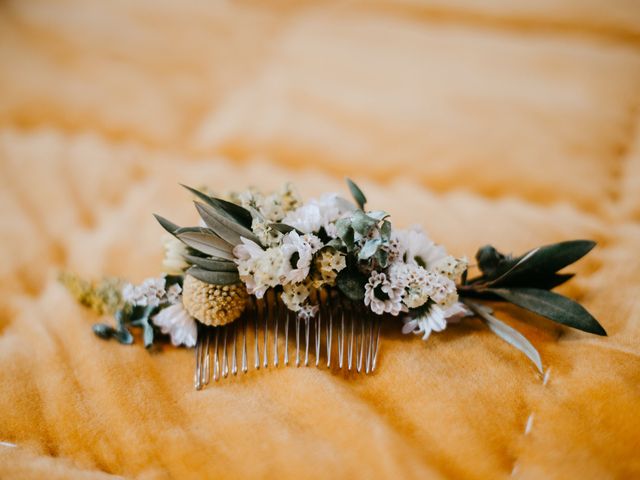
x,y
512,123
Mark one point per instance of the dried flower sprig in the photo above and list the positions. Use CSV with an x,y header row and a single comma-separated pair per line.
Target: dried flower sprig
x,y
255,243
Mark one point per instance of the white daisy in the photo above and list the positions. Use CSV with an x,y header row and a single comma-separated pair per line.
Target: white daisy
x,y
177,323
298,252
415,247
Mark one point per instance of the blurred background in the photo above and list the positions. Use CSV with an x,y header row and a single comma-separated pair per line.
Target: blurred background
x,y
507,122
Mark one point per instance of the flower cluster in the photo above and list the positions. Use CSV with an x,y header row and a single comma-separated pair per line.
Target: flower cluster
x,y
329,242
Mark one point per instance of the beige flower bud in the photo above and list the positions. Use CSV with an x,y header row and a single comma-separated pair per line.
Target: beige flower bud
x,y
213,304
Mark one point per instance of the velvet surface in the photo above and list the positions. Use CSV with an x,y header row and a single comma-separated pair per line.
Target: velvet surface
x,y
512,123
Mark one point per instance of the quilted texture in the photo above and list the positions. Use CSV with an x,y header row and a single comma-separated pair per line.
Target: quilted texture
x,y
514,123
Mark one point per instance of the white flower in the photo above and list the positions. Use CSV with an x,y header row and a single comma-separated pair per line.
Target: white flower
x,y
174,293
150,293
294,295
176,322
435,320
260,269
382,296
174,252
414,246
308,312
316,214
299,249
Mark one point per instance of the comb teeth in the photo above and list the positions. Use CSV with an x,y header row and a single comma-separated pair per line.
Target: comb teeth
x,y
262,337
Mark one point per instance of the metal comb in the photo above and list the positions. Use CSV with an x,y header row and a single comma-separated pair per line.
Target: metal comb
x,y
270,335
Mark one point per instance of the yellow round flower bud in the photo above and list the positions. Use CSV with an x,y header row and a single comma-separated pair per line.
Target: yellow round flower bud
x,y
213,304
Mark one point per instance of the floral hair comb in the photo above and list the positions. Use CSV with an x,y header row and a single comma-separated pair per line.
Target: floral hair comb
x,y
267,278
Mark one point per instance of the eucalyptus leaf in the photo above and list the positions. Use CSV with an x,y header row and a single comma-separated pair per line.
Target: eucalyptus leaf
x,y
215,278
382,257
103,330
230,210
358,196
147,333
225,228
207,243
378,214
552,306
212,264
351,283
507,333
362,223
385,230
369,249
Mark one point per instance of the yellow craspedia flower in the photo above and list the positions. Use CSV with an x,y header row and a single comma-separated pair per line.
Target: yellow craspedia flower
x,y
213,304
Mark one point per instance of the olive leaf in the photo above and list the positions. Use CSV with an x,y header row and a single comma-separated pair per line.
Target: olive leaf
x,y
207,243
216,278
536,268
357,194
552,306
225,228
284,228
230,210
211,264
168,225
507,333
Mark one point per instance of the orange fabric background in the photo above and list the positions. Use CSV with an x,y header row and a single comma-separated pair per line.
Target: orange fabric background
x,y
514,123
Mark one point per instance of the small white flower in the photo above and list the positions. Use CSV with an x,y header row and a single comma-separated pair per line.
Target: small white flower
x,y
294,295
174,293
260,269
302,246
176,322
435,320
150,293
308,312
318,213
174,252
382,296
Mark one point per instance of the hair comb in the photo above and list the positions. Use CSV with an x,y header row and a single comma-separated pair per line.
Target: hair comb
x,y
267,280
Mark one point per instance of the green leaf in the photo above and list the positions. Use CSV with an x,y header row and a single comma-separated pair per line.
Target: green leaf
x,y
207,243
228,209
358,196
168,225
226,229
103,330
351,283
385,231
346,233
147,333
362,223
211,264
378,214
382,257
507,333
215,278
552,306
369,249
284,228
535,268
